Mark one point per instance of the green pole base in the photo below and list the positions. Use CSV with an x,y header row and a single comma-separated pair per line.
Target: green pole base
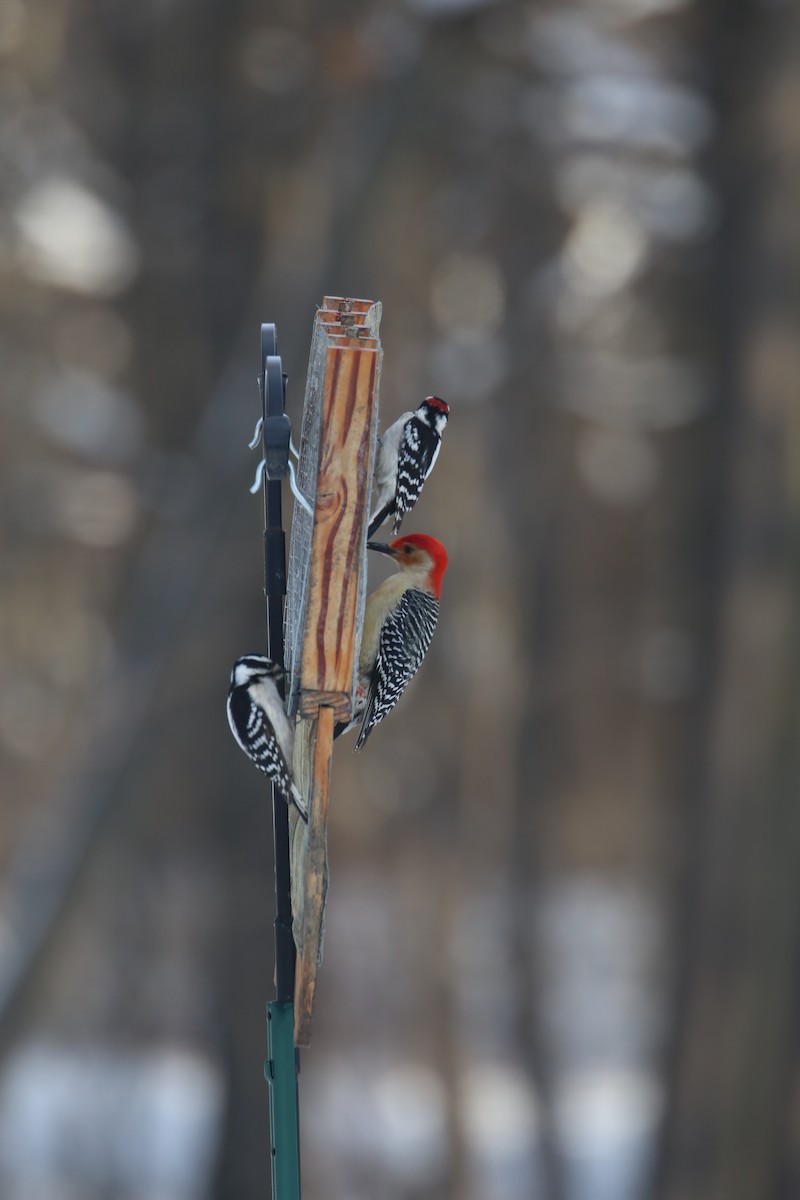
x,y
281,1074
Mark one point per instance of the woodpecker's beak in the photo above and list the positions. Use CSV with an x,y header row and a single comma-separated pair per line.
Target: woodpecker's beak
x,y
382,548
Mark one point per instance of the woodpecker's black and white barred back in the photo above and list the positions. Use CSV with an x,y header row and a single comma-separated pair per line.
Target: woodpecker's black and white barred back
x,y
407,452
404,640
258,721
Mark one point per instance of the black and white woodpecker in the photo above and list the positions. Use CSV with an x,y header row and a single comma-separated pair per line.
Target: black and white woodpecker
x,y
258,721
399,619
407,452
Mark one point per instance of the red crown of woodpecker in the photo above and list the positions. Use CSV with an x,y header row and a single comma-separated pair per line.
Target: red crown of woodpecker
x,y
437,402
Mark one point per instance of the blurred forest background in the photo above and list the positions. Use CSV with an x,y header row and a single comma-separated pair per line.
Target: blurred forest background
x,y
564,915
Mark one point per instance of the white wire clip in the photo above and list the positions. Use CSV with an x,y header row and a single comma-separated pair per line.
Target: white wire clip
x,y
251,445
293,484
259,476
298,495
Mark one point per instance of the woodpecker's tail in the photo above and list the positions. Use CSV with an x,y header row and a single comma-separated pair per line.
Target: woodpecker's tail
x,y
366,729
379,518
299,803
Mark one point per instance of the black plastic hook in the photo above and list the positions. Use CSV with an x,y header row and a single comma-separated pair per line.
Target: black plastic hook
x,y
277,428
274,428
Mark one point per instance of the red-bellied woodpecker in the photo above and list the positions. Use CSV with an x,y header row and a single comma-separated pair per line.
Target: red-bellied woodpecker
x,y
407,452
258,721
399,620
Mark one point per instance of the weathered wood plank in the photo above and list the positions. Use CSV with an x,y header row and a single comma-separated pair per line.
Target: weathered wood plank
x,y
331,316
313,757
347,442
355,335
348,311
352,338
342,304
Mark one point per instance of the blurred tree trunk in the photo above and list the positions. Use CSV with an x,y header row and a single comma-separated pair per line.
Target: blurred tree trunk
x,y
736,1018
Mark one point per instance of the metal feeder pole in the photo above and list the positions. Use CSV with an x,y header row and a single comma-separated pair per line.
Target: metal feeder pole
x,y
281,1066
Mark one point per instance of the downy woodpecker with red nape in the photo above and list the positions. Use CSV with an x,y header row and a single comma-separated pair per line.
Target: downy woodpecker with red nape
x,y
399,620
407,452
258,721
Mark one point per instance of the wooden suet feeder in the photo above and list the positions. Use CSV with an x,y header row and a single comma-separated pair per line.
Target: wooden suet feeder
x,y
326,592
